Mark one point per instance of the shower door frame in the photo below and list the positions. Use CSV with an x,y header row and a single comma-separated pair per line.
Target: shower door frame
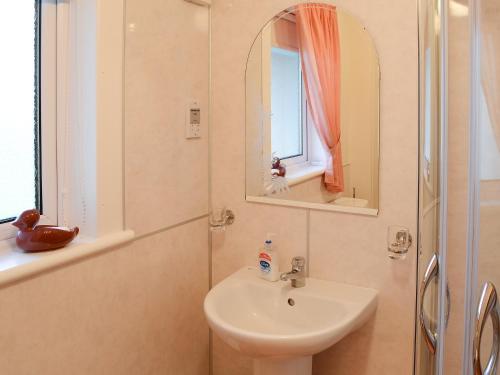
x,y
473,224
442,294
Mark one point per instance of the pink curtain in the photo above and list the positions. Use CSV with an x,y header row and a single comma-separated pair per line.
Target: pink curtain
x,y
319,46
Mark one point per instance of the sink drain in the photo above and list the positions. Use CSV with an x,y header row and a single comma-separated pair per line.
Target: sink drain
x,y
291,302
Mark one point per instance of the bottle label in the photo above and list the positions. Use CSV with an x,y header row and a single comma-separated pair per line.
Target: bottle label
x,y
265,266
265,256
265,262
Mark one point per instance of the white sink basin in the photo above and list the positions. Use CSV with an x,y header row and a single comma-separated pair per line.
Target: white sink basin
x,y
281,326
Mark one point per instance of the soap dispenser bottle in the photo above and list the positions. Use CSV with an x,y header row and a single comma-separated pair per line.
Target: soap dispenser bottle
x,y
269,260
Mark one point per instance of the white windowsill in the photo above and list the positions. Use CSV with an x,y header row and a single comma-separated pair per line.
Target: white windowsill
x,y
303,172
16,265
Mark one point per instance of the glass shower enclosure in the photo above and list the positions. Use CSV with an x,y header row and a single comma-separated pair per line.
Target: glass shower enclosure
x,y
459,189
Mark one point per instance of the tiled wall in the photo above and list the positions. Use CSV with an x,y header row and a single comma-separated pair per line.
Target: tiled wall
x,y
166,66
131,311
135,309
340,247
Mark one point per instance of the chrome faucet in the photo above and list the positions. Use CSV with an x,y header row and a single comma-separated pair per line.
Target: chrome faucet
x,y
298,273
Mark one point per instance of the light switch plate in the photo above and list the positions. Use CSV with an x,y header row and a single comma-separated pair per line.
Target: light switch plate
x,y
193,120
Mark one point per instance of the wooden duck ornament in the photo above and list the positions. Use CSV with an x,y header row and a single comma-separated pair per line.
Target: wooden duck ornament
x,y
36,238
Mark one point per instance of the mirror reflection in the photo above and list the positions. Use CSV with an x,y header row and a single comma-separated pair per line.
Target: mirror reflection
x,y
312,112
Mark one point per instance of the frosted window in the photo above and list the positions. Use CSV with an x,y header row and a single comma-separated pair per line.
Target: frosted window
x,y
286,104
18,107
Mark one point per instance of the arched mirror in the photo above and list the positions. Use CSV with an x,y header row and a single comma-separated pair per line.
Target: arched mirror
x,y
312,112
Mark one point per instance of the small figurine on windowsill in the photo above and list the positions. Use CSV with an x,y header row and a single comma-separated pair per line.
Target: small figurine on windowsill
x,y
36,238
277,168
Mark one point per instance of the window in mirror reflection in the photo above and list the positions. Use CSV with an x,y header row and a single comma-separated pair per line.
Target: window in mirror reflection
x,y
288,135
294,139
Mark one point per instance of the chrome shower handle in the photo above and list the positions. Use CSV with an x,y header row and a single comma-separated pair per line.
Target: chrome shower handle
x,y
431,272
487,307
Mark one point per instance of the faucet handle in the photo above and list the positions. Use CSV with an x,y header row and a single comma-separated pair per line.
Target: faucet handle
x,y
298,262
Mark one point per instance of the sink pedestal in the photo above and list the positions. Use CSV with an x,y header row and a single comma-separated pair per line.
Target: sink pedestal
x,y
290,366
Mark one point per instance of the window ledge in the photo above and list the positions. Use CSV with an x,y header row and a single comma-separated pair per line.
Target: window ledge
x,y
303,172
16,265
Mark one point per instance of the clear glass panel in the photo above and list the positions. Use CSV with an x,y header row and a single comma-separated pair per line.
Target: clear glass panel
x,y
457,91
18,107
429,179
286,103
488,147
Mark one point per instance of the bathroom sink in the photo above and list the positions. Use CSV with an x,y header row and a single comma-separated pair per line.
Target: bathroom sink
x,y
281,326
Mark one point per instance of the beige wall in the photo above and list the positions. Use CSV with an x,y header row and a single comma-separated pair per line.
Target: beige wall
x,y
135,309
132,311
341,247
166,66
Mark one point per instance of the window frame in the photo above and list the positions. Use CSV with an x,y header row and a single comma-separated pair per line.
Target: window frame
x,y
304,156
47,110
